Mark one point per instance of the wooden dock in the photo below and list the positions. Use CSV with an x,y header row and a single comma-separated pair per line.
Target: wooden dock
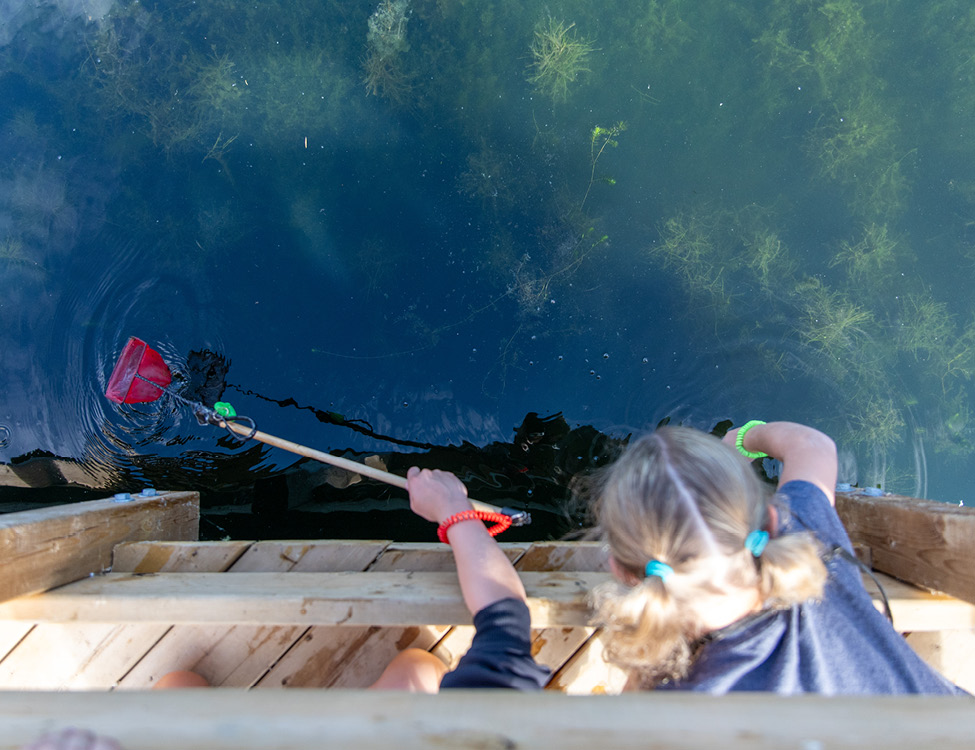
x,y
98,600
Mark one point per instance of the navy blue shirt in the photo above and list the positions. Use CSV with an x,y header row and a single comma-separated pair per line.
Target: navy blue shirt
x,y
840,644
500,655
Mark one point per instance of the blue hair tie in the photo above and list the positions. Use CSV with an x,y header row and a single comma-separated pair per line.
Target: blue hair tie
x,y
661,570
756,542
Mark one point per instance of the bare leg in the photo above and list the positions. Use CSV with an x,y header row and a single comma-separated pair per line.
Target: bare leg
x,y
181,679
413,670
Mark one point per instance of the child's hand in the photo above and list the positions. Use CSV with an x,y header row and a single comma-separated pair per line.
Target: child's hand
x,y
436,495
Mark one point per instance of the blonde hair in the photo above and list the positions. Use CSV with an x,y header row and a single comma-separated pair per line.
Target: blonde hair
x,y
686,499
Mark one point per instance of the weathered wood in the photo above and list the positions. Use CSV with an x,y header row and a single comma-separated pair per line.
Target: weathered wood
x,y
923,542
588,673
915,609
307,719
454,645
580,556
329,656
12,633
389,598
76,656
85,655
431,557
950,652
239,655
554,646
185,557
556,599
49,547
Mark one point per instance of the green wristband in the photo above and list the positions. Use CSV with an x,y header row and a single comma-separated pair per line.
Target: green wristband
x,y
740,440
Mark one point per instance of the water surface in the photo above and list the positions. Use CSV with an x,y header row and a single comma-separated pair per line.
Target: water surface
x,y
441,217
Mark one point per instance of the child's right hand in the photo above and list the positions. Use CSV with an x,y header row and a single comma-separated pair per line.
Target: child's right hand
x,y
436,495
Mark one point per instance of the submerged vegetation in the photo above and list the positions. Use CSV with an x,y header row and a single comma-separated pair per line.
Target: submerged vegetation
x,y
797,172
386,42
559,56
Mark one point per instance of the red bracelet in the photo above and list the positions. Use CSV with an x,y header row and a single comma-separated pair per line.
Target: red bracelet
x,y
500,521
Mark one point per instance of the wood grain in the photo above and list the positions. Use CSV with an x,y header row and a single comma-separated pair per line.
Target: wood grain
x,y
313,719
49,547
926,543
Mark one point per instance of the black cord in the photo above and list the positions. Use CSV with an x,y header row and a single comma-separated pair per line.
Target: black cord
x,y
838,551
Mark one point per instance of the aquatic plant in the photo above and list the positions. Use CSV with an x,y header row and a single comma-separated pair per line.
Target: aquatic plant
x,y
925,326
768,258
877,422
387,28
832,322
958,358
12,253
599,140
386,42
213,83
558,57
661,27
857,147
298,93
872,259
692,246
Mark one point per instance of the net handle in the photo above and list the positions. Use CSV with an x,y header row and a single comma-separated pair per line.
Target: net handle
x,y
338,461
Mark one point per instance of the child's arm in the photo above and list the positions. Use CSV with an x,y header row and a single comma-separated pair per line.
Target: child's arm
x,y
805,453
486,575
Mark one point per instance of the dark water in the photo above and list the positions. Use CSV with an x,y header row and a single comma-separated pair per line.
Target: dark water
x,y
442,217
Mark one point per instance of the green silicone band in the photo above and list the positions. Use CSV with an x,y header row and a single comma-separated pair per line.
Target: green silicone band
x,y
740,440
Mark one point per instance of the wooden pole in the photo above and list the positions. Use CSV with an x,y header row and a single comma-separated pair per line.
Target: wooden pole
x,y
343,463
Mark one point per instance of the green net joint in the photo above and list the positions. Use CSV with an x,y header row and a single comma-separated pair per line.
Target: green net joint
x,y
224,409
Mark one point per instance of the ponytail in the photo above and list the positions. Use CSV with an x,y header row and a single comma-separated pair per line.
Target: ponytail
x,y
791,571
648,629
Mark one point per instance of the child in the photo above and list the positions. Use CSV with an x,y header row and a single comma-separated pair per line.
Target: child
x,y
721,588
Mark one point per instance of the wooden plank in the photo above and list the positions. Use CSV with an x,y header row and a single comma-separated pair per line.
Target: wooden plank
x,y
567,556
12,633
92,656
915,609
389,598
49,547
226,655
185,557
238,655
75,656
432,557
924,542
355,657
950,652
454,645
553,647
320,556
300,719
588,673
557,599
